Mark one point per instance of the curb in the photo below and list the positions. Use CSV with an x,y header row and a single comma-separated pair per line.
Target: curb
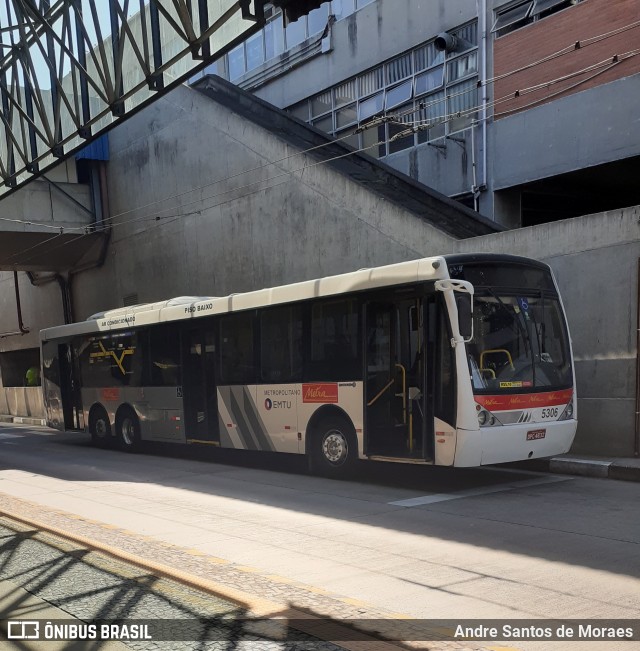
x,y
299,619
22,420
621,469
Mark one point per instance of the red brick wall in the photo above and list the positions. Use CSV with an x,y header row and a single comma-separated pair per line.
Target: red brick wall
x,y
581,22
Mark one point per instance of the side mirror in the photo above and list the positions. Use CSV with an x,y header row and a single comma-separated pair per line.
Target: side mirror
x,y
459,295
464,303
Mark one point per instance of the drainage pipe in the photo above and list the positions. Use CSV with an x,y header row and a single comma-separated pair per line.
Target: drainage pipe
x,y
22,330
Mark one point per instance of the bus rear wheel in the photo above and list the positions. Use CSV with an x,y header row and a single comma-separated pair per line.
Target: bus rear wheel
x,y
128,430
100,428
333,451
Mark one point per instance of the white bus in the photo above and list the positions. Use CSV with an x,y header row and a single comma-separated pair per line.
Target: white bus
x,y
458,360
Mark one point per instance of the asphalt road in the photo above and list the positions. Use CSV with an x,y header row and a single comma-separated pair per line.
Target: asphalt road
x,y
418,541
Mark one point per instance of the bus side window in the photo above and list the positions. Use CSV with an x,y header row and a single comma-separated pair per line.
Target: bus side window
x,y
237,365
281,344
162,357
334,341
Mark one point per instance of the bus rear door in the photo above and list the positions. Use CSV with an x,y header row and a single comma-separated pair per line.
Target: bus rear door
x,y
199,387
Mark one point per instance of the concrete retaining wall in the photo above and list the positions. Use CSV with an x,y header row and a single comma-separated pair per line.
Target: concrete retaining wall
x,y
595,260
22,401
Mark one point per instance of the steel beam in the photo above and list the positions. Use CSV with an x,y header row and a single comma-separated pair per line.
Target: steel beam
x,y
71,69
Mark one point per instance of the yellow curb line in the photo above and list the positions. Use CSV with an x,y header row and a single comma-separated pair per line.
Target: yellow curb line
x,y
257,606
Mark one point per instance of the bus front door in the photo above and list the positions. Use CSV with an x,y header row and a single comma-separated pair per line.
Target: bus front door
x,y
198,386
395,381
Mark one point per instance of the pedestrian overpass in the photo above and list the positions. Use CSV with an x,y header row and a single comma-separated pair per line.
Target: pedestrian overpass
x,y
69,71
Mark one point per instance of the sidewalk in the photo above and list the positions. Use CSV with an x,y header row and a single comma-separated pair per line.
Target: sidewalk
x,y
313,612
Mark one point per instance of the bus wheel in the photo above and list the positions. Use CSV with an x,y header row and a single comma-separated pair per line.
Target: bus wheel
x,y
128,429
333,449
100,428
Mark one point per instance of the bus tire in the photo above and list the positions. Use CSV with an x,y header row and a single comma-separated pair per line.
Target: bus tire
x,y
333,449
100,427
128,430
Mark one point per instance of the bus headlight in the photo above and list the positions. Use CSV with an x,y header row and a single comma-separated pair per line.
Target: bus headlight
x,y
486,419
567,414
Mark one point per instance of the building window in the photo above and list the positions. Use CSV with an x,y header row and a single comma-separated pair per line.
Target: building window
x,y
461,100
237,62
398,94
274,38
518,14
425,89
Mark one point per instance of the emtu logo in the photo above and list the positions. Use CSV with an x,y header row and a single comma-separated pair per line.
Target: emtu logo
x,y
22,630
268,404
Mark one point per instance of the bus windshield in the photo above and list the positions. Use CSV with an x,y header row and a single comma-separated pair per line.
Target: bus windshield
x,y
520,343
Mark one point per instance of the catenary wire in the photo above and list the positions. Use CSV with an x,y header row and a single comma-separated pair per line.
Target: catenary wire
x,y
417,125
573,47
423,106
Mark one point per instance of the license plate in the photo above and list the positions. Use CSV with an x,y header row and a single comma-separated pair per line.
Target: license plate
x,y
535,434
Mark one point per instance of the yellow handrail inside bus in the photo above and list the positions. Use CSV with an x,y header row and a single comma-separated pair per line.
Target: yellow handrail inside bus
x,y
384,388
496,350
403,370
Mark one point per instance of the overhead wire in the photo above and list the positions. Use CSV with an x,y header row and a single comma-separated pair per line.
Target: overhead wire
x,y
568,49
423,106
412,128
394,118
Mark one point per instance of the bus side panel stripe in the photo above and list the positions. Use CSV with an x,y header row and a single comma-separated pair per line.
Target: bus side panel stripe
x,y
256,423
225,439
233,436
239,418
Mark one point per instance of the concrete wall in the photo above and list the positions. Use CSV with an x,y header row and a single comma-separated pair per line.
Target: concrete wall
x,y
41,308
22,401
595,260
569,134
250,229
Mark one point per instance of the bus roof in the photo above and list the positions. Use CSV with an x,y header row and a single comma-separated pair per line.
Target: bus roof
x,y
192,307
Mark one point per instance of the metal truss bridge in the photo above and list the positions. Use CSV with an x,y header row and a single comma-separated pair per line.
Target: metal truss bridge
x,y
71,69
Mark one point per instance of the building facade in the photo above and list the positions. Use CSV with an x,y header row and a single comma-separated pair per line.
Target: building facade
x,y
522,110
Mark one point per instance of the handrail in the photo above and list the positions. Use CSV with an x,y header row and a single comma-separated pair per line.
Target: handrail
x,y
496,350
391,381
403,370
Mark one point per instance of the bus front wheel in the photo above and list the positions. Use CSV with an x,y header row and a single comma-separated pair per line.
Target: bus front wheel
x,y
333,450
100,428
128,429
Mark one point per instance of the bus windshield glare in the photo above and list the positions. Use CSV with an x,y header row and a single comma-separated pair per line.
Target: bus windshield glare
x,y
519,343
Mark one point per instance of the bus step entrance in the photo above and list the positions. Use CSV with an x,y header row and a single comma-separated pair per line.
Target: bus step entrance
x,y
394,441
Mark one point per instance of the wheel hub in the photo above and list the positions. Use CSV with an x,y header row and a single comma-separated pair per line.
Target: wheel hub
x,y
334,447
101,428
128,431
